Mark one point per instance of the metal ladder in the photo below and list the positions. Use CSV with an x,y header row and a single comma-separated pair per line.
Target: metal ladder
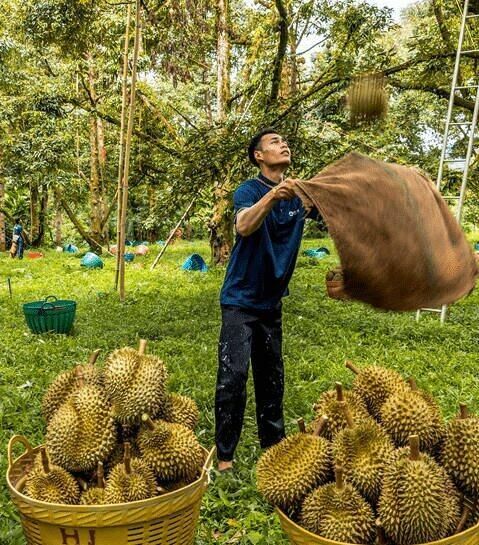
x,y
471,125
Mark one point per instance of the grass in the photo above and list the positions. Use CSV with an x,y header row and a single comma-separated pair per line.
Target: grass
x,y
178,312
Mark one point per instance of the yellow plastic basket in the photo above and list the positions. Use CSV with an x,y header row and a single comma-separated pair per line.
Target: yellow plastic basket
x,y
300,536
169,519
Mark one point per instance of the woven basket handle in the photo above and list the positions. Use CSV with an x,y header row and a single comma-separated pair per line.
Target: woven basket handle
x,y
55,299
11,444
208,463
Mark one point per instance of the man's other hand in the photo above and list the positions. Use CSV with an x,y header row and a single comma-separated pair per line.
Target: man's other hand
x,y
285,190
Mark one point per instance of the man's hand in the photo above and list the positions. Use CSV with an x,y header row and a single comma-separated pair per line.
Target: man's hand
x,y
284,190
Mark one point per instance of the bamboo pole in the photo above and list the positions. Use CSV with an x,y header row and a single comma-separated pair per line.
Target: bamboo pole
x,y
131,119
124,98
172,234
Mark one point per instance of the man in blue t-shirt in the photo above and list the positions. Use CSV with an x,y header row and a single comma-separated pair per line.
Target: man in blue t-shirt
x,y
269,220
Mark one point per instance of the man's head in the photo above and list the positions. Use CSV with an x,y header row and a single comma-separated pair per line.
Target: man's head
x,y
269,148
18,220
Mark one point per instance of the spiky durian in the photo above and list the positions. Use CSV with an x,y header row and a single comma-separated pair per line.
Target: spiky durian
x,y
172,450
95,495
338,512
289,470
179,409
330,405
363,450
135,382
65,383
375,384
418,501
132,480
411,412
51,483
460,451
82,432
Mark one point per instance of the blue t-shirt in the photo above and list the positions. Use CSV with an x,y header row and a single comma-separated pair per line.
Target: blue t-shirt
x,y
262,263
17,229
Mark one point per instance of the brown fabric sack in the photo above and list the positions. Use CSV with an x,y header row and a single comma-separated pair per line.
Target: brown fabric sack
x,y
399,244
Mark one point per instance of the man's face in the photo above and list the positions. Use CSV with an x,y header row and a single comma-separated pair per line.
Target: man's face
x,y
273,151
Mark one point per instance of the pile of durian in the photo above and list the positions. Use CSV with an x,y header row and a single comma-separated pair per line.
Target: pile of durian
x,y
115,434
378,465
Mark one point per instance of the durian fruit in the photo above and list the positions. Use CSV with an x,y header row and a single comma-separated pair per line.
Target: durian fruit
x,y
330,404
82,432
363,450
132,480
51,483
65,383
289,470
135,382
338,512
375,385
179,409
460,451
418,501
412,412
96,494
172,450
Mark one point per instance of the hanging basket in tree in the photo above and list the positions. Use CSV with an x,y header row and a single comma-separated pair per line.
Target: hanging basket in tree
x,y
367,98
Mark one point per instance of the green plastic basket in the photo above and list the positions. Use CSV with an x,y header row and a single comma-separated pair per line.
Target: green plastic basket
x,y
50,315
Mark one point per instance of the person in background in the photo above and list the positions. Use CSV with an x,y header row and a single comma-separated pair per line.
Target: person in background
x,y
18,242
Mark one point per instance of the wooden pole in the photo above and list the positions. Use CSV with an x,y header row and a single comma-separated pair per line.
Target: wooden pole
x,y
124,99
172,234
131,119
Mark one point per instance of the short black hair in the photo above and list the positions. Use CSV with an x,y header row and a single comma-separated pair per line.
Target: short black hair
x,y
253,144
18,220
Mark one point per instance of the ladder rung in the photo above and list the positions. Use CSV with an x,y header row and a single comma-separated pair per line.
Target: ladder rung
x,y
469,51
431,309
450,197
459,123
466,87
454,160
472,16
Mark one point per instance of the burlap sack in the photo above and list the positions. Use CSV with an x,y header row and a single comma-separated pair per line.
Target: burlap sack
x,y
400,246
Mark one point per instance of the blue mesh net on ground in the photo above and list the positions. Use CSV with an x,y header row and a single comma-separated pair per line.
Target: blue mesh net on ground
x,y
70,248
92,261
129,257
318,252
195,263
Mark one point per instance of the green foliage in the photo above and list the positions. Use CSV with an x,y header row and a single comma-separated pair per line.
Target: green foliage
x,y
178,312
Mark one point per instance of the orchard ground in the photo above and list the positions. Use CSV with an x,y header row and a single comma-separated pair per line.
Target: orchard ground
x,y
178,313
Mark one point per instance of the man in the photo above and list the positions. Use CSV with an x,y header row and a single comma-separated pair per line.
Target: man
x,y
269,220
17,240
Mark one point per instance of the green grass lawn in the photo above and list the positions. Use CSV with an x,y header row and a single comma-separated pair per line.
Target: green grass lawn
x,y
178,312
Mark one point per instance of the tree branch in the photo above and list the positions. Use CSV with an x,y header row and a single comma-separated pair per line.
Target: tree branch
x,y
282,45
93,243
443,93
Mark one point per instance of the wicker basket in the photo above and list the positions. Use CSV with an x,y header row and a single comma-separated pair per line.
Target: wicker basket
x,y
300,536
169,519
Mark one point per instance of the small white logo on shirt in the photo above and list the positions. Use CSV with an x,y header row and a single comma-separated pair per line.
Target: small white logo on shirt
x,y
293,212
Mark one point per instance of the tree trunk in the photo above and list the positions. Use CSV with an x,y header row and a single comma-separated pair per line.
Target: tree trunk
x,y
3,243
221,225
34,219
96,197
42,217
221,231
58,223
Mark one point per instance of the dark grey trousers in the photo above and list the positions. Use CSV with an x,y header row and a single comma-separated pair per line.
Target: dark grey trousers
x,y
245,335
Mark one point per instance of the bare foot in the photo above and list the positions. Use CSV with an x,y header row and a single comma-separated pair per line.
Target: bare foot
x,y
224,466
